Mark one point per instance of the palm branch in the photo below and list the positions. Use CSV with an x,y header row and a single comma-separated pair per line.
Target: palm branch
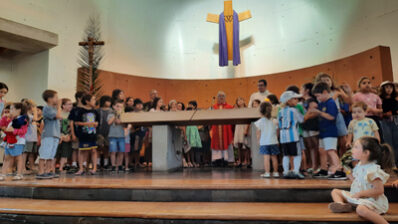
x,y
93,30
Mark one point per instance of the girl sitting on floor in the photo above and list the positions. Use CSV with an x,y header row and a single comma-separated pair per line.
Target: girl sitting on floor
x,y
367,189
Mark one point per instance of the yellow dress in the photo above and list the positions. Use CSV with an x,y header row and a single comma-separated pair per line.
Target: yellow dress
x,y
363,176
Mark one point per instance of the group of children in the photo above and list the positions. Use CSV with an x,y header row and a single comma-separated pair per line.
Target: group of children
x,y
21,134
61,132
313,131
320,130
308,131
341,141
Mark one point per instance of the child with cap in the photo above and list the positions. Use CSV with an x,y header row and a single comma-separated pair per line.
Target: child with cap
x,y
288,120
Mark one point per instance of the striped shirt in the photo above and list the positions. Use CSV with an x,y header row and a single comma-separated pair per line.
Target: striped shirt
x,y
288,120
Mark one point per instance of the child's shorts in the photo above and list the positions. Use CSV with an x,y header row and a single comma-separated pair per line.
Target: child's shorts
x,y
290,149
65,150
127,147
307,134
83,146
48,148
329,143
269,150
301,144
341,126
117,145
30,147
14,150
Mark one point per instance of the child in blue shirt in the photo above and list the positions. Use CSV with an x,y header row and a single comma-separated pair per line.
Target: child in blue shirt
x,y
51,134
327,112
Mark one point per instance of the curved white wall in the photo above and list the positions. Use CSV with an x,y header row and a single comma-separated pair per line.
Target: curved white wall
x,y
171,39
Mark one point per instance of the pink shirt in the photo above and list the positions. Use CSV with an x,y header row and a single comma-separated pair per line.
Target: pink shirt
x,y
371,99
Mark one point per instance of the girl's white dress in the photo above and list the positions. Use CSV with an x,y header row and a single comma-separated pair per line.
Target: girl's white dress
x,y
363,176
239,135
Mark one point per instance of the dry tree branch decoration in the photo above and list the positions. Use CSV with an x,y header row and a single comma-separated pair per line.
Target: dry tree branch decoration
x,y
90,55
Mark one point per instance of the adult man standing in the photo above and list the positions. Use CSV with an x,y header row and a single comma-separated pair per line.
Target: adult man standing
x,y
262,93
152,95
222,136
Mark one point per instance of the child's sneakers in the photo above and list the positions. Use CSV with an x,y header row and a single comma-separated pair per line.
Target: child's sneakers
x,y
339,175
17,177
293,175
73,169
298,175
2,178
113,170
266,175
107,167
288,175
43,176
321,174
53,175
66,167
340,207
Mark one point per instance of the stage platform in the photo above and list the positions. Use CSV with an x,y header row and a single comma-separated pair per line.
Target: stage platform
x,y
50,211
203,195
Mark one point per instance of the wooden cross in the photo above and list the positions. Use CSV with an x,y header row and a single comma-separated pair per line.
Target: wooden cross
x,y
228,18
91,43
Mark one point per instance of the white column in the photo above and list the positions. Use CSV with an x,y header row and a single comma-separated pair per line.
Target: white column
x,y
166,148
257,159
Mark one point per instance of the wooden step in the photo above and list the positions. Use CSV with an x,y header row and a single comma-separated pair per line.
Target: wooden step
x,y
170,181
192,179
182,210
177,188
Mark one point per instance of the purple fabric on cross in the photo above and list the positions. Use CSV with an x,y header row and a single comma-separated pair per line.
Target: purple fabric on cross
x,y
223,46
